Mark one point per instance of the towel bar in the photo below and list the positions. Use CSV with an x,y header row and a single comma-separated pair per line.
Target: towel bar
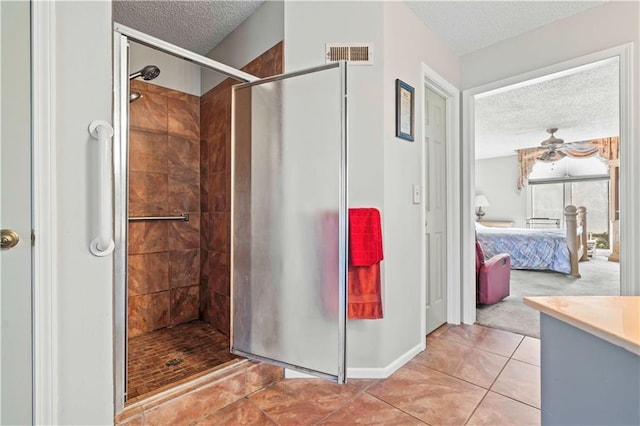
x,y
184,217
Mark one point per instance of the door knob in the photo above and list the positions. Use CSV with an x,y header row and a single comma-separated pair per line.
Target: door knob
x,y
8,239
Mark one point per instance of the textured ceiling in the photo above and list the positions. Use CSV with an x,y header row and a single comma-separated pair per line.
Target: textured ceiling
x,y
582,105
194,25
466,26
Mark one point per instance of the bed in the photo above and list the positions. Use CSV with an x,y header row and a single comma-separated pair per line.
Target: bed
x,y
558,250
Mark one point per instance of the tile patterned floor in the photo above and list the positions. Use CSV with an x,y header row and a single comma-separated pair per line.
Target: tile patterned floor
x,y
469,375
169,355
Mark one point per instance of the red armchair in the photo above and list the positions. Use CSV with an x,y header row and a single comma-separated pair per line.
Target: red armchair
x,y
492,277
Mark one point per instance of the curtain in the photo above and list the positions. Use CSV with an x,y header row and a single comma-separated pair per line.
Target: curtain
x,y
607,148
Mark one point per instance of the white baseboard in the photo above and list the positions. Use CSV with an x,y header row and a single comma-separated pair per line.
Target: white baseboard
x,y
367,373
383,373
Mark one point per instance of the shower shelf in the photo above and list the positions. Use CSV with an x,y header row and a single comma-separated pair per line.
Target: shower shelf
x,y
183,217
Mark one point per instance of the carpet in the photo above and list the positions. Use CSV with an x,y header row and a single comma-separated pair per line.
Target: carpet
x,y
599,278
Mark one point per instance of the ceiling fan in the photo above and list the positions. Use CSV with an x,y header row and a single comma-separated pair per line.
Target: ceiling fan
x,y
551,147
554,148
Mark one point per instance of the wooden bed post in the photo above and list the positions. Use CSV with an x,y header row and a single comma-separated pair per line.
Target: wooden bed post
x,y
570,214
582,222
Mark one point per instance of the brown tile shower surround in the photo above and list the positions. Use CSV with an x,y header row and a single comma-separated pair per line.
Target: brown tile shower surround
x,y
215,180
168,355
164,179
469,375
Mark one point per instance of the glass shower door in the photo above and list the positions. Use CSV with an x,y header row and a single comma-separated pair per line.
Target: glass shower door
x,y
289,228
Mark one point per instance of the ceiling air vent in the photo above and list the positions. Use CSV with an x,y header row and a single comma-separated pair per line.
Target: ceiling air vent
x,y
353,53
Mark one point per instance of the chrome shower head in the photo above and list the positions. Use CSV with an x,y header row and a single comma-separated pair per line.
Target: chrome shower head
x,y
147,73
134,96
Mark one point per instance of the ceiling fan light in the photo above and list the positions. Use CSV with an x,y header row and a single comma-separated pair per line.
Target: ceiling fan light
x,y
551,156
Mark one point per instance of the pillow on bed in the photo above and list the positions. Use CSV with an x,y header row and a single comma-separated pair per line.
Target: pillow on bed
x,y
479,225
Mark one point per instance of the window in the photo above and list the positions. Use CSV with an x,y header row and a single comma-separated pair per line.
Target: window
x,y
549,199
594,195
581,182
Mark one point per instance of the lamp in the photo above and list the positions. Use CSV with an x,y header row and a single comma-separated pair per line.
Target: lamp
x,y
481,201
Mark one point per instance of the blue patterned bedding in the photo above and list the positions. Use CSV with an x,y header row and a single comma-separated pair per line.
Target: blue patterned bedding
x,y
542,249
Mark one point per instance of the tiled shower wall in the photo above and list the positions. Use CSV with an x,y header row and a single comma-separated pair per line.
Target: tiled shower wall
x,y
164,179
215,180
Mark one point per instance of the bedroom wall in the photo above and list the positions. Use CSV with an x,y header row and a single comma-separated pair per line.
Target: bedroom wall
x,y
500,189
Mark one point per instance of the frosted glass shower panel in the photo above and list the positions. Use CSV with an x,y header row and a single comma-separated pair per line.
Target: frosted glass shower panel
x,y
288,203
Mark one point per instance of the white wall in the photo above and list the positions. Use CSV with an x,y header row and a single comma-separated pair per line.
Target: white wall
x,y
382,168
257,34
407,45
306,33
611,24
175,73
84,292
308,27
497,179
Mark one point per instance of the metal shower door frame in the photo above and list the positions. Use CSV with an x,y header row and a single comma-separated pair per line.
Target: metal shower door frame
x,y
121,37
343,227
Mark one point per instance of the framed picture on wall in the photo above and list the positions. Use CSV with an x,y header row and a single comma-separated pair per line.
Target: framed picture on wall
x,y
404,110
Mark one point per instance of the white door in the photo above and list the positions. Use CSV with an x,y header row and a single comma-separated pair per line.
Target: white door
x,y
435,207
15,214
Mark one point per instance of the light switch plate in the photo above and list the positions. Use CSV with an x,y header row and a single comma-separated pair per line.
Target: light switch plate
x,y
417,194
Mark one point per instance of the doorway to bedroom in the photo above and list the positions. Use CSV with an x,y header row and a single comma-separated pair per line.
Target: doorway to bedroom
x,y
542,146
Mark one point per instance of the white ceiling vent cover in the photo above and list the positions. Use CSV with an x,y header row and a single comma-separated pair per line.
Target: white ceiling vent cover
x,y
353,53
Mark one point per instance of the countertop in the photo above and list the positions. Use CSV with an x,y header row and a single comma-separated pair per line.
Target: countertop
x,y
615,319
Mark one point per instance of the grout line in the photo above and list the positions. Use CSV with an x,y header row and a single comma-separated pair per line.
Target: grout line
x,y
498,375
356,395
457,378
516,400
466,343
476,407
261,410
397,408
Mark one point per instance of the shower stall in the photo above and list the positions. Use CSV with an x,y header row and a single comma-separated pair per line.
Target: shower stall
x,y
230,215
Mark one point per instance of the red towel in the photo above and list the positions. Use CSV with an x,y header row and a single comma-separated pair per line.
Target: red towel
x,y
365,254
365,298
365,236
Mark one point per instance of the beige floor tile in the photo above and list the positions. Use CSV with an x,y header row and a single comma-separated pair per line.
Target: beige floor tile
x,y
242,412
429,395
302,401
489,339
496,409
464,362
528,351
368,410
520,381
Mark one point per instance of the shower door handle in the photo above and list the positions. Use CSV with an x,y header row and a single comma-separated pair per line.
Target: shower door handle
x,y
103,244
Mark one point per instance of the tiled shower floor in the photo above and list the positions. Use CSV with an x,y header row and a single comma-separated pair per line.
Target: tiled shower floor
x,y
169,355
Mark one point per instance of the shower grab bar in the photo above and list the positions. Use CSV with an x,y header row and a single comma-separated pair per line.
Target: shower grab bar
x,y
183,217
103,244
